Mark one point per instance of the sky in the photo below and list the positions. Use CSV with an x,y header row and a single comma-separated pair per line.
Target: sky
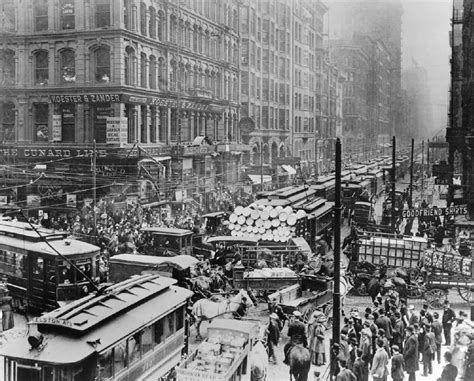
x,y
425,40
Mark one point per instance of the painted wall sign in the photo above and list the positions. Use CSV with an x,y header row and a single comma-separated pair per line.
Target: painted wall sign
x,y
86,98
433,212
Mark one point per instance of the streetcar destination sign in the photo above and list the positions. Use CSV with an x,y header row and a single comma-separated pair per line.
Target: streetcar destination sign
x,y
433,212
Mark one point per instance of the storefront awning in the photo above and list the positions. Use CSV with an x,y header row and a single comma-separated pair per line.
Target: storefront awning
x,y
256,179
289,169
155,159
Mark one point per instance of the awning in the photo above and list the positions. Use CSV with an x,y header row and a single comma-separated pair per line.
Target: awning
x,y
289,169
256,179
155,159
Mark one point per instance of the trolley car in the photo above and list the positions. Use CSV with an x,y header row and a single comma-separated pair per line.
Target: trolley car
x,y
36,275
134,330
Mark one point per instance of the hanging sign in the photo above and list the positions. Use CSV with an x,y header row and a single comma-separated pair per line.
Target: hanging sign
x,y
433,212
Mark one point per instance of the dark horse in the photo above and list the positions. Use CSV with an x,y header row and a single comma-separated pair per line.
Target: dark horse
x,y
300,362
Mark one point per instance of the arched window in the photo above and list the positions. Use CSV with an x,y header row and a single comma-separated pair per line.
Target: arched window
x,y
143,76
235,20
161,26
161,74
129,66
235,89
226,85
68,66
67,14
152,22
41,68
7,67
218,85
235,54
102,13
7,122
152,72
173,29
102,64
143,23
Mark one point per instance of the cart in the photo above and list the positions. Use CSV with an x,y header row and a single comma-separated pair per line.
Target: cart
x,y
224,355
445,270
393,252
311,293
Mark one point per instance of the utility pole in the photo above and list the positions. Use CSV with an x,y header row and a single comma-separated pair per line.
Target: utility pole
x,y
94,186
261,165
411,171
393,183
422,167
336,312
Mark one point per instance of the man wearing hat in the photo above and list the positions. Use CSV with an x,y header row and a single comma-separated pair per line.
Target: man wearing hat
x,y
296,333
383,322
274,307
365,344
398,330
447,320
410,353
273,336
412,316
397,364
437,329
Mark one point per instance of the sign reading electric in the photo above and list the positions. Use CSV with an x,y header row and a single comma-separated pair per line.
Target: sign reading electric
x,y
433,212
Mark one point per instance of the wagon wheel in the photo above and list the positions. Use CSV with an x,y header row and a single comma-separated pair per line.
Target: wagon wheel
x,y
467,293
415,277
361,290
435,297
414,291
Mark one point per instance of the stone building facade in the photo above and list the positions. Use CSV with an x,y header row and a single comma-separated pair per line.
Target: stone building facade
x,y
154,83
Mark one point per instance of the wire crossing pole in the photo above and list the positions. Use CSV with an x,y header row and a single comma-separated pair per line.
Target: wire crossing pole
x,y
411,171
393,184
94,187
337,249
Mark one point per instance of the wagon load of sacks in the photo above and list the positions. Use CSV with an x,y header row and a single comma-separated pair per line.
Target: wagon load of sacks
x,y
275,272
267,223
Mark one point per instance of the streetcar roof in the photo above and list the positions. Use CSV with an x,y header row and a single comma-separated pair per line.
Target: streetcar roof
x,y
229,238
181,262
214,214
22,236
167,231
67,347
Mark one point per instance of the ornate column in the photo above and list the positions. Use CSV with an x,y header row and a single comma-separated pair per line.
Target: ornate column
x,y
192,125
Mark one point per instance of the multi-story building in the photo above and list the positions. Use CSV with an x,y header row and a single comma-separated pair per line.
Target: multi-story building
x,y
154,83
381,19
282,62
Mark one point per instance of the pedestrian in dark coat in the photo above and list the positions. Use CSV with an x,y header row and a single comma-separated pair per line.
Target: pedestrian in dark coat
x,y
450,372
273,337
448,318
398,331
410,353
383,322
297,334
344,373
429,349
360,368
397,364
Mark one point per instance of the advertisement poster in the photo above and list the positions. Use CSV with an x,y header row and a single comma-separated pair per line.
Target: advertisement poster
x,y
116,130
71,200
57,133
33,200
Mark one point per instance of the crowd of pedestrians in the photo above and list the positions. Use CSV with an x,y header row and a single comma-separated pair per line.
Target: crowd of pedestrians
x,y
390,340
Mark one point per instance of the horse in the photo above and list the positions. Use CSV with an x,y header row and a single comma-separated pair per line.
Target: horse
x,y
300,362
206,309
259,357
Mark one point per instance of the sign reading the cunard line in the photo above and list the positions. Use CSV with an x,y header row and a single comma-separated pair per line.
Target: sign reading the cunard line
x,y
433,212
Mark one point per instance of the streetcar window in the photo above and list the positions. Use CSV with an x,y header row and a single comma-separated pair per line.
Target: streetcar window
x,y
179,318
38,266
66,274
158,331
106,368
120,356
133,348
48,373
28,373
170,326
147,339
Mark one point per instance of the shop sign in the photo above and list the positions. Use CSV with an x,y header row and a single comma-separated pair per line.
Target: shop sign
x,y
433,212
116,130
87,98
156,151
167,102
71,200
33,200
57,131
51,152
198,150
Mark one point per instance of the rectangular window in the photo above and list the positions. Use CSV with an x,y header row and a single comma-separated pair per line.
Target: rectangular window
x,y
120,357
41,68
7,120
102,13
67,14
134,348
40,112
179,318
68,117
158,332
106,362
41,15
147,339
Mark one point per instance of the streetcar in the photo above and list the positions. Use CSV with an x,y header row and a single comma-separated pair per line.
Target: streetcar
x,y
167,241
133,330
36,275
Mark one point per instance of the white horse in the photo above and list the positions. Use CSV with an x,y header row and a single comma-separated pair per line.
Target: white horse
x,y
259,356
205,309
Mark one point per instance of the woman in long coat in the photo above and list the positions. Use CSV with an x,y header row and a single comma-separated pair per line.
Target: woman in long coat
x,y
316,331
7,311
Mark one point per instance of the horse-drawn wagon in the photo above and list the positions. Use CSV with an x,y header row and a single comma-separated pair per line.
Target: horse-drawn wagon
x,y
224,355
444,270
379,258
